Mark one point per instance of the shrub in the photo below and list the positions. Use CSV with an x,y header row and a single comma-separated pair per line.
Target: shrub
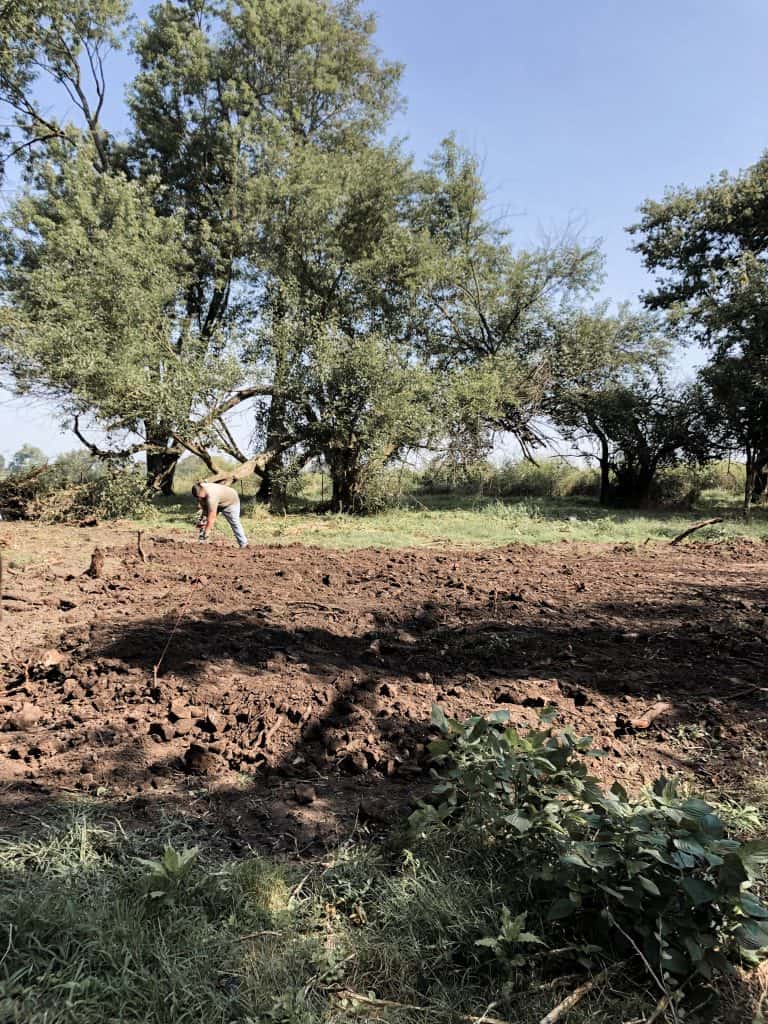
x,y
677,486
77,467
683,486
447,476
656,875
548,478
119,494
725,476
387,487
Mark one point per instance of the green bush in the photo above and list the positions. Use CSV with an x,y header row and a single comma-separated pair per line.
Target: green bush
x,y
387,487
119,494
548,478
678,486
71,469
655,875
683,486
447,476
728,477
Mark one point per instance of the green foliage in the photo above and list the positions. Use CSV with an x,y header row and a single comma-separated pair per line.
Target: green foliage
x,y
92,285
76,467
511,936
490,314
679,486
440,927
707,248
121,493
56,52
166,880
612,398
88,944
27,458
657,874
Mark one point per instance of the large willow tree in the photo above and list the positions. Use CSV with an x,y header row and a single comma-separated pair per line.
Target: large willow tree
x,y
252,238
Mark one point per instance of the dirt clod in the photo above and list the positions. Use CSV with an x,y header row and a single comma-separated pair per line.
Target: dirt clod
x,y
25,718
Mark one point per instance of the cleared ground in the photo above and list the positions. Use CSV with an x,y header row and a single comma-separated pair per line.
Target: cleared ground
x,y
283,666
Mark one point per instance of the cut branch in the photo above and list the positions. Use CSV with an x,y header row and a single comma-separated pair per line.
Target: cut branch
x,y
696,526
559,1011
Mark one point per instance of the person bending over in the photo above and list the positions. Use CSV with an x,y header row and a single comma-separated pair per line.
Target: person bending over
x,y
215,498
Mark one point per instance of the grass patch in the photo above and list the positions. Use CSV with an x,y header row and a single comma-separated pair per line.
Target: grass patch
x,y
473,522
83,941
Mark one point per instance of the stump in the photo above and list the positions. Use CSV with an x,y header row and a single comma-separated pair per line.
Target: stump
x,y
96,568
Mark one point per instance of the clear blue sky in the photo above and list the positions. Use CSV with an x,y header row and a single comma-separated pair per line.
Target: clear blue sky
x,y
579,110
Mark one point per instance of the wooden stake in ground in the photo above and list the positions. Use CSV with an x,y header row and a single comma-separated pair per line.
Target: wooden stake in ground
x,y
96,568
696,526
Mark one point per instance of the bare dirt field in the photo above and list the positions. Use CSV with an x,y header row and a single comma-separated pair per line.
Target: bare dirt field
x,y
295,684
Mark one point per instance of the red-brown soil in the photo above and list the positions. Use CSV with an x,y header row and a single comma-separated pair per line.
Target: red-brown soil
x,y
294,692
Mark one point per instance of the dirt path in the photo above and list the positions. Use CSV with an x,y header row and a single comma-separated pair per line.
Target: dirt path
x,y
295,691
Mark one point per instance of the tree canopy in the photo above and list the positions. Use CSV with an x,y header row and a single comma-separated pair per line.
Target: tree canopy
x,y
255,240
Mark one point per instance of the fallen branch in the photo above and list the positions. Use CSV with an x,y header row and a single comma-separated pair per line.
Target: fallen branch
x,y
391,1004
696,526
559,1011
270,732
746,691
661,1007
297,889
7,596
645,721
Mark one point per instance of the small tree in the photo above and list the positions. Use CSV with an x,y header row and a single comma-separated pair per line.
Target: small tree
x,y
359,403
708,249
644,426
27,458
734,401
610,398
490,313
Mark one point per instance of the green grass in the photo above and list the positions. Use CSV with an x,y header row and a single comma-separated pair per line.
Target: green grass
x,y
83,940
478,522
252,940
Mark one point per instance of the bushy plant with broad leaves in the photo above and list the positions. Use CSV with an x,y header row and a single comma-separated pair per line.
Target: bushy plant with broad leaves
x,y
167,878
654,876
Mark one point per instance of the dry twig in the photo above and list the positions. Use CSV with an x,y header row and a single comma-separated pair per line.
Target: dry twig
x,y
559,1011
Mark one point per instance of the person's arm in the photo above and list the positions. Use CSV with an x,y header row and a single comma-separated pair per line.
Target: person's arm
x,y
210,511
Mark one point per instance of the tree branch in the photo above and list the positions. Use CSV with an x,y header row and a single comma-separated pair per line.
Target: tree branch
x,y
102,453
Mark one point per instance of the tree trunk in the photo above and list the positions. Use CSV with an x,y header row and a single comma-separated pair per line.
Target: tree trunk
x,y
270,491
760,485
161,462
749,484
344,470
605,473
634,483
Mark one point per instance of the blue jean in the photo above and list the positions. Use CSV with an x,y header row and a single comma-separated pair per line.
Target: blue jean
x,y
232,515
